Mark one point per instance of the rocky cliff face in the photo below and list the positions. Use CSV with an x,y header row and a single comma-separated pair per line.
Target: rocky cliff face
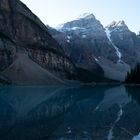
x,y
21,30
125,40
84,40
87,33
121,35
7,52
89,46
113,49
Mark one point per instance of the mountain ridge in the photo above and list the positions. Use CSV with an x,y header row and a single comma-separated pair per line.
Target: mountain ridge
x,y
115,43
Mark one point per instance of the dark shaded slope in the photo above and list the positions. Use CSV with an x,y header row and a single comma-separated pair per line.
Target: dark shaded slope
x,y
22,31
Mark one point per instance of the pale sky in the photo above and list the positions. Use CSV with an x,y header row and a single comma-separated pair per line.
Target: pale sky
x,y
55,12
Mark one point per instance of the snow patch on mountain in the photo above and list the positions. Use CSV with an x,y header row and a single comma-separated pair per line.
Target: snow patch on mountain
x,y
68,41
136,137
62,28
75,28
84,36
108,33
68,37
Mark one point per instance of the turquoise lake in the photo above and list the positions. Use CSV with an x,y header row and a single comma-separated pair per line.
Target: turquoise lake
x,y
61,113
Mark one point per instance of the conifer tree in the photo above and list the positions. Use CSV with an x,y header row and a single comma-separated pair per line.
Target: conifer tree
x,y
134,75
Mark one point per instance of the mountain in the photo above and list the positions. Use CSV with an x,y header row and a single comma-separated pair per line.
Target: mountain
x,y
82,49
84,40
87,30
28,53
124,40
107,51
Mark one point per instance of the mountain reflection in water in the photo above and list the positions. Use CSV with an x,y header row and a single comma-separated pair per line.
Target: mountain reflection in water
x,y
57,113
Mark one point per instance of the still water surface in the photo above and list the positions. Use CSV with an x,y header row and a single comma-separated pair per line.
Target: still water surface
x,y
57,113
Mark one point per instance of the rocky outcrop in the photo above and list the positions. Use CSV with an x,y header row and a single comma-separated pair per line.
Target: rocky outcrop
x,y
21,30
7,52
58,64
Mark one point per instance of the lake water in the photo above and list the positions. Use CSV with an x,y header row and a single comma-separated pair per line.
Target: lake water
x,y
57,113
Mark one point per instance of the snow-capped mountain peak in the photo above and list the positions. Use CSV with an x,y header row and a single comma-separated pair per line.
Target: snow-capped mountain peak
x,y
86,16
117,26
85,23
58,27
120,23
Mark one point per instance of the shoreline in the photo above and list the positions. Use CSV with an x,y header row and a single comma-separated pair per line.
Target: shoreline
x,y
68,85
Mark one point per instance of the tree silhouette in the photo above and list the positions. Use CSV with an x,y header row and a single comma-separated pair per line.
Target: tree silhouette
x,y
133,77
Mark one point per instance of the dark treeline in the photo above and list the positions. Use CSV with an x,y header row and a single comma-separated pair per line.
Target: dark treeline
x,y
134,75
